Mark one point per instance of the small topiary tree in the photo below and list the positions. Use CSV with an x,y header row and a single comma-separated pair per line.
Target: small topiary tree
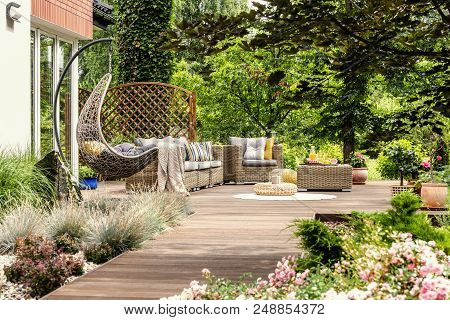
x,y
138,25
399,159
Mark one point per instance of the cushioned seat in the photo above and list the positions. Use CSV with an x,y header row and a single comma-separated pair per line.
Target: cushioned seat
x,y
190,166
259,163
216,164
204,165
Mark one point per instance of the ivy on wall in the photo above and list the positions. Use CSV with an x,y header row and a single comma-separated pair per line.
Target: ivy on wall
x,y
138,25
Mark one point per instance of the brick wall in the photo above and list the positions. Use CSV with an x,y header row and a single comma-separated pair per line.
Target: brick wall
x,y
73,15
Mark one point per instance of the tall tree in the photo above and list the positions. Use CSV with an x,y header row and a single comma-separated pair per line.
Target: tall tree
x,y
138,25
361,37
190,10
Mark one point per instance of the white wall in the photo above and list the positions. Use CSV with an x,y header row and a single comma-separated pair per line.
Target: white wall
x,y
15,79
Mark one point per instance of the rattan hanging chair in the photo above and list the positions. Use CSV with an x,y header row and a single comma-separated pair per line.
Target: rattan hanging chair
x,y
96,151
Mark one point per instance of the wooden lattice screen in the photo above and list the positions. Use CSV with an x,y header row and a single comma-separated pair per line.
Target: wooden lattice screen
x,y
145,110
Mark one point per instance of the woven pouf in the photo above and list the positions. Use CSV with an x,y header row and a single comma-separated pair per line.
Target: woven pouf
x,y
280,189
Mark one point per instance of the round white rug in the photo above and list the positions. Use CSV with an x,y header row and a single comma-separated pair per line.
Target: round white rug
x,y
299,196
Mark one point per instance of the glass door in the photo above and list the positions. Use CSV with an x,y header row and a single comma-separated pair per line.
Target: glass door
x,y
47,84
64,54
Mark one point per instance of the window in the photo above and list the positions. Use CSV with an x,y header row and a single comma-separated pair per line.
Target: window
x,y
64,54
46,76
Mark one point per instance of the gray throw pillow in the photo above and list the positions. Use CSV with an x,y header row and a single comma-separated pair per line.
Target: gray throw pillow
x,y
255,149
236,141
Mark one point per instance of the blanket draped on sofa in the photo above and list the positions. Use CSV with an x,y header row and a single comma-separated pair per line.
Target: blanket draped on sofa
x,y
170,167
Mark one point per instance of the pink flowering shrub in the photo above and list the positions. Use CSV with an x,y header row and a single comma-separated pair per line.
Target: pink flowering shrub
x,y
407,269
404,269
40,266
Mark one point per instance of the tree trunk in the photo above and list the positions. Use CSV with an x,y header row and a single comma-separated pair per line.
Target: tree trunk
x,y
348,137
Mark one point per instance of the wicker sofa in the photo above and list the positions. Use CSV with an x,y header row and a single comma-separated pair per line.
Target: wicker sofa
x,y
196,175
238,170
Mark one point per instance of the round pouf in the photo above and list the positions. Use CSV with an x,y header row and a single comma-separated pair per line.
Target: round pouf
x,y
280,189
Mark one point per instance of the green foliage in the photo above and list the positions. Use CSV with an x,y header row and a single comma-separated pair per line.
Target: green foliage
x,y
405,204
86,172
138,24
405,218
94,62
99,253
113,227
21,182
376,84
39,266
67,244
190,10
374,174
399,159
322,245
293,156
66,225
20,222
357,160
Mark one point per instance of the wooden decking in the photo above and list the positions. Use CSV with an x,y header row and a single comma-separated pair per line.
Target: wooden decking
x,y
226,235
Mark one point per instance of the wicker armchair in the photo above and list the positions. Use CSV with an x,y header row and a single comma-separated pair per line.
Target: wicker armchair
x,y
235,170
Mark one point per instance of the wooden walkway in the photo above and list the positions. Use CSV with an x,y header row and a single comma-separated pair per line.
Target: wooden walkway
x,y
226,235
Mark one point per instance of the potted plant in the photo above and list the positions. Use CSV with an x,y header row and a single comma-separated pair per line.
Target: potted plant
x,y
88,178
399,160
360,171
433,183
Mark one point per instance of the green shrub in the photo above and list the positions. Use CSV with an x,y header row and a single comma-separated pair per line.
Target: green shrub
x,y
39,266
399,159
66,225
86,172
21,182
320,243
67,244
99,253
405,218
405,205
115,226
21,222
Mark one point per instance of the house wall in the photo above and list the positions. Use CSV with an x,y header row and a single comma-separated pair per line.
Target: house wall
x,y
15,79
74,17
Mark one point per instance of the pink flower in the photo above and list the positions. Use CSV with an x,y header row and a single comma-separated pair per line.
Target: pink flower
x,y
426,164
411,266
438,158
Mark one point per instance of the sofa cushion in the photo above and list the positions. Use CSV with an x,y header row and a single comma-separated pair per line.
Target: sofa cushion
x,y
197,151
204,165
216,164
207,145
235,141
255,149
259,163
190,166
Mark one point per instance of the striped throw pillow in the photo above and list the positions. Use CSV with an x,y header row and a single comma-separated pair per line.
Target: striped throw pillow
x,y
198,151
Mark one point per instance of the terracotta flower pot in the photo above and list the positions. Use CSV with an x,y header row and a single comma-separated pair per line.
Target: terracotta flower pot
x,y
360,175
434,195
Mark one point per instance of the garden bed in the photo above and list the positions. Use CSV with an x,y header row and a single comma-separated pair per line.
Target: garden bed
x,y
43,250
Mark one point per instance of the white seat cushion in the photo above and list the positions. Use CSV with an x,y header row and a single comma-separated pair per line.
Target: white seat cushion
x,y
216,164
190,165
204,165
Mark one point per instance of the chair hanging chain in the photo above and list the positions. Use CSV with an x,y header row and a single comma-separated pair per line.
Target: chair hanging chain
x,y
110,58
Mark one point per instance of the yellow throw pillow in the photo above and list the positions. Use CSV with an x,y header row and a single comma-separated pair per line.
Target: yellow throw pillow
x,y
94,148
268,150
